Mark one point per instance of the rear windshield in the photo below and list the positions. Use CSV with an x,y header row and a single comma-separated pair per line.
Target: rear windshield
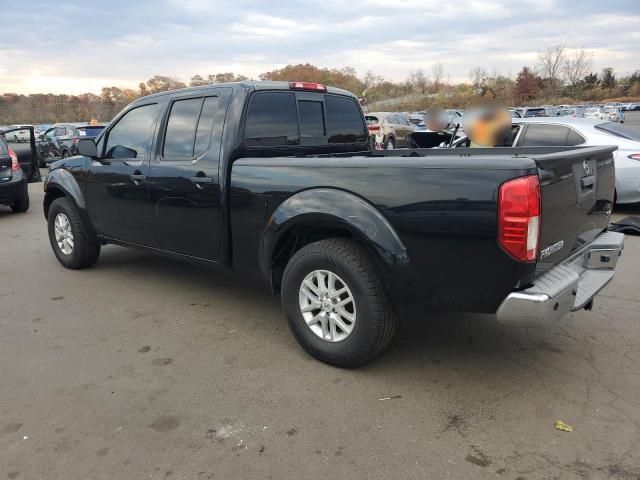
x,y
371,120
90,131
535,112
286,119
618,130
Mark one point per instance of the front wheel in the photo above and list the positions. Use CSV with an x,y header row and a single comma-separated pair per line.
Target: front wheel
x,y
66,154
70,244
336,303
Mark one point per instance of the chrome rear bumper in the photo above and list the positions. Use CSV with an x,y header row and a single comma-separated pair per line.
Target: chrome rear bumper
x,y
567,287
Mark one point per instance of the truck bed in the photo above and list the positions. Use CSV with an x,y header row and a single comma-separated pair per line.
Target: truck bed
x,y
443,205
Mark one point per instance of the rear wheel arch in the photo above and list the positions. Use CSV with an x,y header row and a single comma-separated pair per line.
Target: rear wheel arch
x,y
321,214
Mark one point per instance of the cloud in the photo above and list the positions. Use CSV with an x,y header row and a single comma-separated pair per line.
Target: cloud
x,y
76,47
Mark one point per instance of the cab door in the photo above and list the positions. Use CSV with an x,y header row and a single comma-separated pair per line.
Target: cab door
x,y
116,188
184,178
22,141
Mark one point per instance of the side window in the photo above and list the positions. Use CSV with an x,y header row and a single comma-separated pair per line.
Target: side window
x,y
544,135
344,120
60,132
271,120
50,133
131,136
4,148
181,128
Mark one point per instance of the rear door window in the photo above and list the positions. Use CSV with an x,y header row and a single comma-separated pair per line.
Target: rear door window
x,y
189,128
181,128
344,120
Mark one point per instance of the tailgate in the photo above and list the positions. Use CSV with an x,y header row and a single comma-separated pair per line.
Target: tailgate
x,y
577,189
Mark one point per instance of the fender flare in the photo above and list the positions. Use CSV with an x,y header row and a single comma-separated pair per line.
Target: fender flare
x,y
61,179
339,208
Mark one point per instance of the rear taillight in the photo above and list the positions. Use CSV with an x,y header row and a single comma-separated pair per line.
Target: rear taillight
x,y
316,87
519,217
15,166
374,128
634,156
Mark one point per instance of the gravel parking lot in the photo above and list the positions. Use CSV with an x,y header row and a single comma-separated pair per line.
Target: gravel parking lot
x,y
143,367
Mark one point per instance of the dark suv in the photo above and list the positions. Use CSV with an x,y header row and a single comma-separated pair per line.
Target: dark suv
x,y
18,166
60,140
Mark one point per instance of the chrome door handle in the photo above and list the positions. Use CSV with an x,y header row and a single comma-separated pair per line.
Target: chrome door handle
x,y
137,178
198,180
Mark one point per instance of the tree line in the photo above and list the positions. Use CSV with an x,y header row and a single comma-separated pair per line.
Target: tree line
x,y
560,75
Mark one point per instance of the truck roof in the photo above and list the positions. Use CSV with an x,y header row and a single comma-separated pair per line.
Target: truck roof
x,y
257,85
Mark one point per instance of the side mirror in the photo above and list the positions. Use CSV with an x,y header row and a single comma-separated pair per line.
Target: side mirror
x,y
87,147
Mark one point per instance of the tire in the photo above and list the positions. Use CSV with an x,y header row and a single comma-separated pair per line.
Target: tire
x,y
83,252
21,205
374,321
390,144
66,154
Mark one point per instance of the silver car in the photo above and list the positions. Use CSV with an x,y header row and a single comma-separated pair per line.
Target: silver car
x,y
570,131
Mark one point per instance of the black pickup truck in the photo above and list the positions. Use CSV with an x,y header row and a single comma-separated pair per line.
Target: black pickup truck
x,y
278,180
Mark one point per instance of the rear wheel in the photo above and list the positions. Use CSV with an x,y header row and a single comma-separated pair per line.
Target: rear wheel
x,y
390,145
21,205
70,245
66,154
336,303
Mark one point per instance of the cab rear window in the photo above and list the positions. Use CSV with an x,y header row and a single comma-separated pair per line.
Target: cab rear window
x,y
276,119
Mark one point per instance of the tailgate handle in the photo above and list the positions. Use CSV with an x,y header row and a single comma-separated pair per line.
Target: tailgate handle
x,y
587,181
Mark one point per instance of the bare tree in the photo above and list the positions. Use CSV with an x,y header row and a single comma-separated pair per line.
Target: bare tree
x,y
477,75
438,74
577,65
551,62
418,80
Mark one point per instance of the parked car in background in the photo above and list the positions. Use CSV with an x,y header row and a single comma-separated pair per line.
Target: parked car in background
x,y
571,112
569,132
389,129
612,114
416,117
529,112
60,140
515,113
17,133
18,166
550,110
615,114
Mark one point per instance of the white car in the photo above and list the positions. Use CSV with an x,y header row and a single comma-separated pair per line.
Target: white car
x,y
605,113
18,136
570,131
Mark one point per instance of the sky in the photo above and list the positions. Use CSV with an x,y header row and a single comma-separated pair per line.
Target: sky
x,y
80,46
